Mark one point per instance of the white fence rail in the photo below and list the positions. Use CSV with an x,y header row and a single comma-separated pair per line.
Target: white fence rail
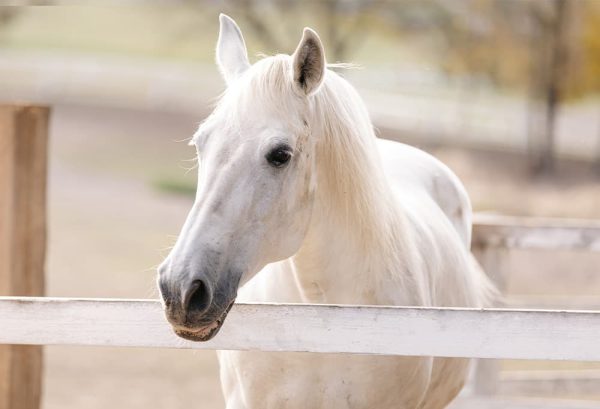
x,y
536,233
516,334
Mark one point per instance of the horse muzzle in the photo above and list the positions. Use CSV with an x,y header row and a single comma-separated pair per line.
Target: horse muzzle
x,y
202,333
196,308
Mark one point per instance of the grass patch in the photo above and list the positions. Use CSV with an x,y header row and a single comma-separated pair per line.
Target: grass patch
x,y
175,187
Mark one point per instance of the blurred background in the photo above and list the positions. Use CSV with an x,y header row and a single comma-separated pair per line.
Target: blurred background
x,y
506,92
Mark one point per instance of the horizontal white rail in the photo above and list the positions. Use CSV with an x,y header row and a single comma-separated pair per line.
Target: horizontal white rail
x,y
536,233
552,302
504,402
555,335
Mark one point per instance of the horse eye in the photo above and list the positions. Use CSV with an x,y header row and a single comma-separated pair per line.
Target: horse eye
x,y
279,156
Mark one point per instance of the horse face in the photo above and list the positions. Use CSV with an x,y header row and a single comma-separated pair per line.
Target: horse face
x,y
255,188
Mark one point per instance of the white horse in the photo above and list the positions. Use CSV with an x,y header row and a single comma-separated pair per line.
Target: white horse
x,y
298,201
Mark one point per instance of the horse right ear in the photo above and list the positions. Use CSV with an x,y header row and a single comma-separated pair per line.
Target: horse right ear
x,y
309,62
232,57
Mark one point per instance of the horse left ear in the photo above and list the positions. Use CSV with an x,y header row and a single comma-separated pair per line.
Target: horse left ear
x,y
309,62
232,57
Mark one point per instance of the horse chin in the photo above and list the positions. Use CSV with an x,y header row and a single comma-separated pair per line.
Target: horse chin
x,y
205,333
199,335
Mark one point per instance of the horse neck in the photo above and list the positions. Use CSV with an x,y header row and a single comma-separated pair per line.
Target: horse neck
x,y
355,248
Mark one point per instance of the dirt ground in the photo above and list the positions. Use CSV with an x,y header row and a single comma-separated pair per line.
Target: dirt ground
x,y
109,228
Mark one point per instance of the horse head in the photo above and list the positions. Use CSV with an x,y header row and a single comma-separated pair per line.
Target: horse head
x,y
256,181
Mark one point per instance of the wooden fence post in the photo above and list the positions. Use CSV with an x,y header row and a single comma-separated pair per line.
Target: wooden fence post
x,y
23,158
492,257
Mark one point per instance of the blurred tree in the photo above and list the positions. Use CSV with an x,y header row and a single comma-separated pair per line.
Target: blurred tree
x,y
342,20
251,11
584,43
523,45
7,15
549,53
588,69
547,49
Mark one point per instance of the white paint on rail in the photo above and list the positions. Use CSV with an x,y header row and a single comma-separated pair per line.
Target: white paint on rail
x,y
520,403
513,334
536,233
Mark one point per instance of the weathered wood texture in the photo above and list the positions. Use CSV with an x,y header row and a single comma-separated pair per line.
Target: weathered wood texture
x,y
494,333
492,259
536,233
553,302
550,383
23,142
520,403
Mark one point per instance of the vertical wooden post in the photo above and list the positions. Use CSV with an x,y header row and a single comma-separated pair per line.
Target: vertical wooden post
x,y
23,157
491,257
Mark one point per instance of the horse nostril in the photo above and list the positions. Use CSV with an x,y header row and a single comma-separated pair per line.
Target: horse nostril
x,y
197,298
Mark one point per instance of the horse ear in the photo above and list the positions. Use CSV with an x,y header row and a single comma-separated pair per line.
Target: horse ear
x,y
232,57
309,62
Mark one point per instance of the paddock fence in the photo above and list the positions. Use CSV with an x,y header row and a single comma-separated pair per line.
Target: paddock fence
x,y
29,321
